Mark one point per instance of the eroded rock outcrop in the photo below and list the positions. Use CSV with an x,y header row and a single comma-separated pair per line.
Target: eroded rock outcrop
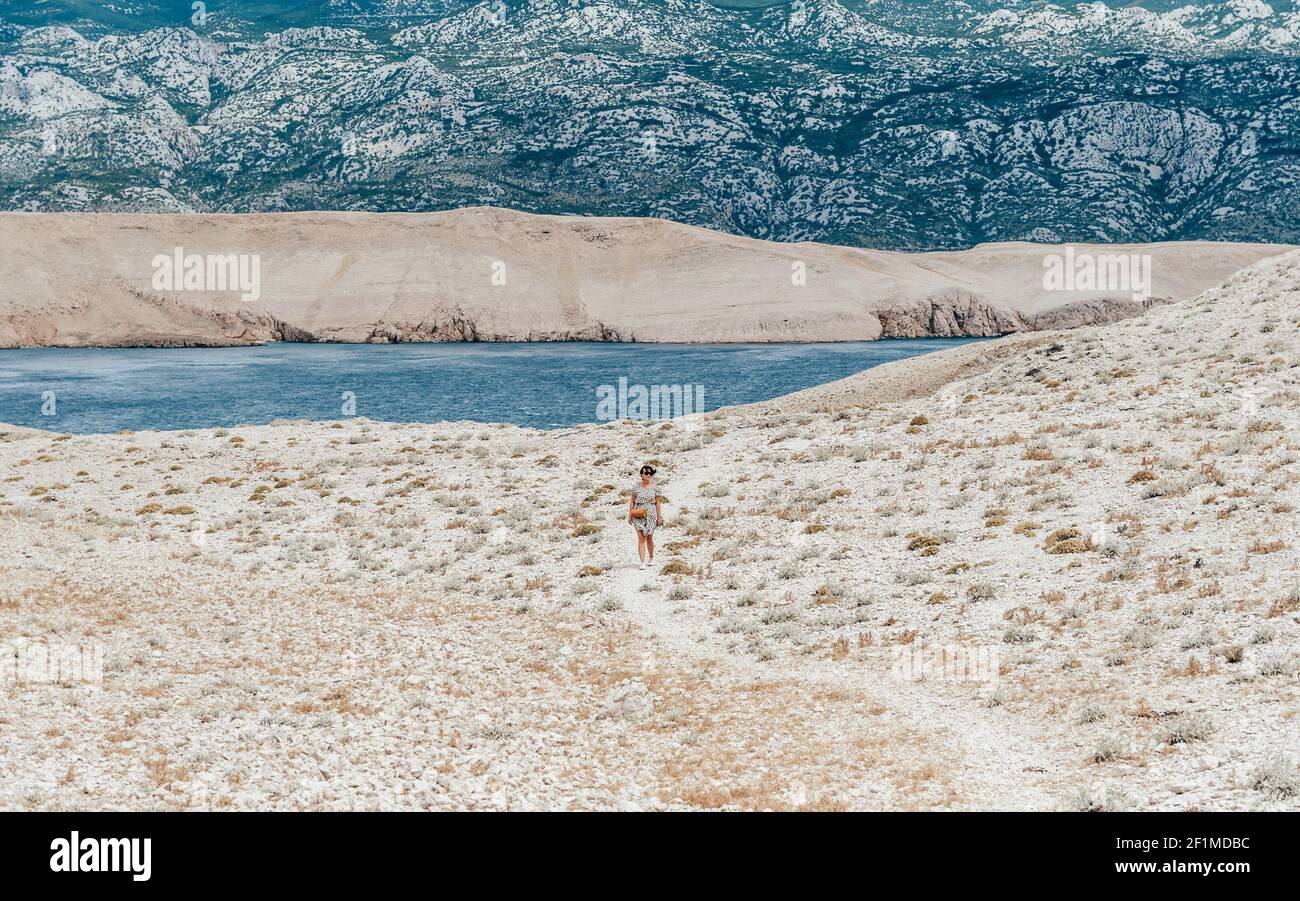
x,y
1097,311
949,314
957,314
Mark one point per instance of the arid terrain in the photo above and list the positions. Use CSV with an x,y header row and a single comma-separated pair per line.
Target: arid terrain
x,y
488,274
376,615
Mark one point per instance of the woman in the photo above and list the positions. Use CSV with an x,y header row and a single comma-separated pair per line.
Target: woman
x,y
642,518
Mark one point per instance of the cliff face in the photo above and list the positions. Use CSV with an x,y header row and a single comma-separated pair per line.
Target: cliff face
x,y
949,314
1095,311
956,314
457,327
485,274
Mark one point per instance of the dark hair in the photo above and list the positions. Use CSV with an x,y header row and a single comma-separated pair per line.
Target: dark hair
x,y
647,469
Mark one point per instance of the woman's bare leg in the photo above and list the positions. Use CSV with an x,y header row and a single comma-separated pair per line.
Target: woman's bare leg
x,y
650,546
640,545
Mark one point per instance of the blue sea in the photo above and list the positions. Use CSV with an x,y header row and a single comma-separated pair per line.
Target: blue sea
x,y
545,386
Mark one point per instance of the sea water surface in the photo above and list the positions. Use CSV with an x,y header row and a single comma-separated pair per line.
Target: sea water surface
x,y
543,385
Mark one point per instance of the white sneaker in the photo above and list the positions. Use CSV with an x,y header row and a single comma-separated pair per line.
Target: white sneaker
x,y
643,564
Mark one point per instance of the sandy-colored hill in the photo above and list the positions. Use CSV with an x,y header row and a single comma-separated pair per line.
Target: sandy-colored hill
x,y
1056,571
492,274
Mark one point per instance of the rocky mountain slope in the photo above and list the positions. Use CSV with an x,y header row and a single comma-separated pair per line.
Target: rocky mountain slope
x,y
897,125
361,615
494,275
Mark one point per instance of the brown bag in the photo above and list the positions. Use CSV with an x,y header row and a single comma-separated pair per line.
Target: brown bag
x,y
638,512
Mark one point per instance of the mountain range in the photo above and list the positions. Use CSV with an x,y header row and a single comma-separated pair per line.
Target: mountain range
x,y
894,125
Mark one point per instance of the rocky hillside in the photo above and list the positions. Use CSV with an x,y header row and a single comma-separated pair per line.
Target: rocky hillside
x,y
877,123
496,275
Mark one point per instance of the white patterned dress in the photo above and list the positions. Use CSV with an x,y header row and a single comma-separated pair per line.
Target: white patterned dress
x,y
645,499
